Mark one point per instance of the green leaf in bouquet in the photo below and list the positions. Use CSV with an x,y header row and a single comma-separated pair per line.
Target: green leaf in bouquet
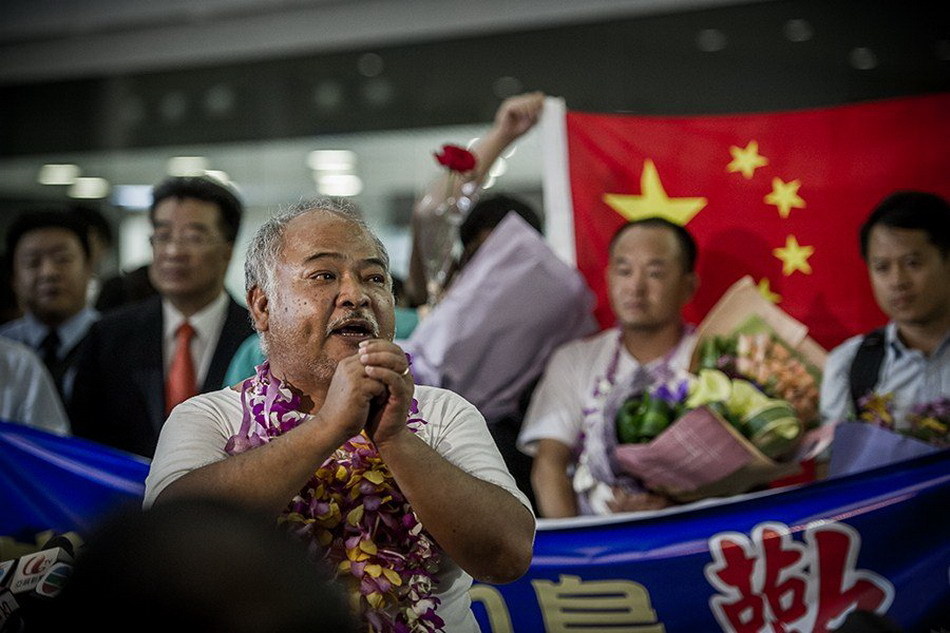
x,y
628,421
774,429
723,411
656,417
709,353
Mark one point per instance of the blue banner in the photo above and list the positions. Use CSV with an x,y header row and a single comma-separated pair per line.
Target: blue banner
x,y
49,482
784,560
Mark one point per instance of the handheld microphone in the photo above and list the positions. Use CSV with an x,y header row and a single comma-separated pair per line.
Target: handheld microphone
x,y
31,580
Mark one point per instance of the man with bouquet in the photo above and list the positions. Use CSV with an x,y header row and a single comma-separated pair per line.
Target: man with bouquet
x,y
650,277
904,366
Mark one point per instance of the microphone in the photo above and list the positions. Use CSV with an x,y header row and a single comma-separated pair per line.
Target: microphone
x,y
34,578
33,572
11,619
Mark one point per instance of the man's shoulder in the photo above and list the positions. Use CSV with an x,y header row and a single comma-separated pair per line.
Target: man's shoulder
x,y
844,352
128,315
223,404
430,398
127,327
429,393
224,398
12,329
17,358
587,347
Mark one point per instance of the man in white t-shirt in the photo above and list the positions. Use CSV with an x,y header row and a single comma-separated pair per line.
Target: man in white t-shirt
x,y
338,392
650,278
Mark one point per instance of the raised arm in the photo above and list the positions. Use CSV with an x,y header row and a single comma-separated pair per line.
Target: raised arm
x,y
514,117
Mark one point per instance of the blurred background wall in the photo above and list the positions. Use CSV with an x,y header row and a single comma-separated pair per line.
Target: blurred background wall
x,y
290,98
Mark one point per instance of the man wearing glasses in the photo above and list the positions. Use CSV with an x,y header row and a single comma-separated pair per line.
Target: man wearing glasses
x,y
144,359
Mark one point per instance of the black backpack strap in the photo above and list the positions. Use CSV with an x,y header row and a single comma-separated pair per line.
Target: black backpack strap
x,y
866,366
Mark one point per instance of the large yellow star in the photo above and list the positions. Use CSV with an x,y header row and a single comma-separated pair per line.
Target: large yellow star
x,y
746,160
653,200
766,291
785,196
794,257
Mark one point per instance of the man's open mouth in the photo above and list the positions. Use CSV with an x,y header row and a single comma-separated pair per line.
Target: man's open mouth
x,y
356,329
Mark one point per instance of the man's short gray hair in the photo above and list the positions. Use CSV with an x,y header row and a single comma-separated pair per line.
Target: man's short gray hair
x,y
264,250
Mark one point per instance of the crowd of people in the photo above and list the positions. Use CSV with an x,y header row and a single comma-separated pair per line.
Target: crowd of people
x,y
270,406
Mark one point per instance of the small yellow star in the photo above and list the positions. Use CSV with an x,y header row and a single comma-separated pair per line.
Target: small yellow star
x,y
794,257
766,291
746,160
653,200
785,196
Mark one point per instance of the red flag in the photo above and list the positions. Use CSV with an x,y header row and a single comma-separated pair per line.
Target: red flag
x,y
778,196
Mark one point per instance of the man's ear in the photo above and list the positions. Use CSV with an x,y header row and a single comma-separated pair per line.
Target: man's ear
x,y
258,306
692,285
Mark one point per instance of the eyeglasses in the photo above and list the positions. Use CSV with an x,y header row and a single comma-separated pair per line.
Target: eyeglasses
x,y
189,241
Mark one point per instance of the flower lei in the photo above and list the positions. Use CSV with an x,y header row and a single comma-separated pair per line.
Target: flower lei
x,y
353,515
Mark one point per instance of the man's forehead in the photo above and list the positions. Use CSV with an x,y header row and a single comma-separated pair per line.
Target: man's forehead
x,y
883,235
320,234
48,238
653,242
189,210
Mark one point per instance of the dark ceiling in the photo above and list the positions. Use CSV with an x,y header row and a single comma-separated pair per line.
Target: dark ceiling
x,y
760,56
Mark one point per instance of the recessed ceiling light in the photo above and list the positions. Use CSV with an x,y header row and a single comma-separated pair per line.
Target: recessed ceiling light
x,y
863,58
58,174
339,184
711,40
89,188
798,30
187,166
331,160
369,64
132,196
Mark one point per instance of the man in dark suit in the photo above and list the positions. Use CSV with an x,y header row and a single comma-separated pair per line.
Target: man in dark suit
x,y
143,359
51,264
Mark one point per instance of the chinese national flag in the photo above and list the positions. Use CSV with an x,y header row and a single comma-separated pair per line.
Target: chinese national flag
x,y
778,196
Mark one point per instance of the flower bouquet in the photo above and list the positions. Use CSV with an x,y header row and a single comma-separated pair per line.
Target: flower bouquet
x,y
876,439
747,336
441,212
699,436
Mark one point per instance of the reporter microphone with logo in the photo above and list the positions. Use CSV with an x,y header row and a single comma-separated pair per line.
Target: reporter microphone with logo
x,y
28,581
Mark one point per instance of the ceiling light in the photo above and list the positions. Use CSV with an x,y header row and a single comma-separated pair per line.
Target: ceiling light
x,y
132,196
89,188
339,160
339,184
58,174
187,166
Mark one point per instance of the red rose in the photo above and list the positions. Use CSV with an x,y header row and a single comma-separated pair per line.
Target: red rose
x,y
456,158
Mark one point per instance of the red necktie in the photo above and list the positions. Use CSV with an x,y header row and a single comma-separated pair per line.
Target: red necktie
x,y
181,383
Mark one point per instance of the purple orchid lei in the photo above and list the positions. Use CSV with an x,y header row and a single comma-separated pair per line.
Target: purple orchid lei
x,y
353,515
